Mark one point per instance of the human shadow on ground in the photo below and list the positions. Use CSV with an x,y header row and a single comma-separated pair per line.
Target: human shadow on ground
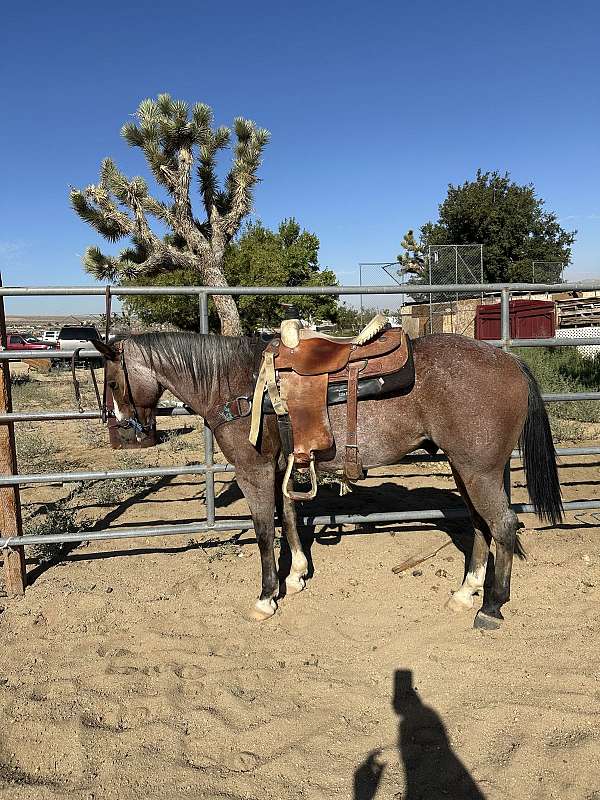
x,y
431,768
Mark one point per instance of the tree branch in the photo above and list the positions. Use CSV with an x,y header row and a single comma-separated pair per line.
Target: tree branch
x,y
182,217
93,205
242,178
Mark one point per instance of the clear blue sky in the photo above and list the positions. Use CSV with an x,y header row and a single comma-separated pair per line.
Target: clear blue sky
x,y
373,107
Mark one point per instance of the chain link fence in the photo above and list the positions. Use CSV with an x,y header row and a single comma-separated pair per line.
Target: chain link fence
x,y
442,264
547,271
458,264
424,313
381,273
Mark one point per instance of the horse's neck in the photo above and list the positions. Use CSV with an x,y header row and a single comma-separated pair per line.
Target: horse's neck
x,y
182,386
183,389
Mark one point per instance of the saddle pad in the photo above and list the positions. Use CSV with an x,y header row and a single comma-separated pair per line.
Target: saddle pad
x,y
368,388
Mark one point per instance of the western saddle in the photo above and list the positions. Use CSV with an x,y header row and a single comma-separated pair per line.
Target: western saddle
x,y
302,372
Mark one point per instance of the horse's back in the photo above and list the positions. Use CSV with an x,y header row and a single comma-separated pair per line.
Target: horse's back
x,y
468,398
472,396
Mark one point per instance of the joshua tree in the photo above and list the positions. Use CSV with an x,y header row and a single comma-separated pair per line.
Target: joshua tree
x,y
172,138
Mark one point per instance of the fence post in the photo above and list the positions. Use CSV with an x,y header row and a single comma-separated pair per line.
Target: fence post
x,y
505,319
505,336
209,477
10,501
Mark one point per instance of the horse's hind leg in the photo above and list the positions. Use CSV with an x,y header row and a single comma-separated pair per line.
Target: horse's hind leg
x,y
473,582
487,495
505,535
286,511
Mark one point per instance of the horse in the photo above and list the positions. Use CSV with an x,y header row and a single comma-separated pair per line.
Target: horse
x,y
469,399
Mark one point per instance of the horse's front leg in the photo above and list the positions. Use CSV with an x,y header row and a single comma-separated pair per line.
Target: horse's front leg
x,y
286,512
258,487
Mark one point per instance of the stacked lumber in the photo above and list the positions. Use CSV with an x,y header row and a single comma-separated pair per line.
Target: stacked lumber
x,y
578,312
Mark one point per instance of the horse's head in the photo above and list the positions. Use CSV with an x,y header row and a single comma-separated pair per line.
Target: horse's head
x,y
134,387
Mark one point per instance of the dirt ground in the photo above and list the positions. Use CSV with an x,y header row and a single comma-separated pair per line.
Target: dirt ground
x,y
129,669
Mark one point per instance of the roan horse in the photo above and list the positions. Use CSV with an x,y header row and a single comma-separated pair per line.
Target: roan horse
x,y
471,400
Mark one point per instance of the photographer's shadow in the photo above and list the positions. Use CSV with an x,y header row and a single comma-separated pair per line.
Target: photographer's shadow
x,y
432,770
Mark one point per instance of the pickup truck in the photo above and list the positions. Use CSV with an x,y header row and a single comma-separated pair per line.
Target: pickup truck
x,y
72,337
15,341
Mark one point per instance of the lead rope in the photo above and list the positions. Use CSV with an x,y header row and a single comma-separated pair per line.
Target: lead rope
x,y
76,386
107,311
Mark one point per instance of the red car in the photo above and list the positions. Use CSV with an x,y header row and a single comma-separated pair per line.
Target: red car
x,y
18,342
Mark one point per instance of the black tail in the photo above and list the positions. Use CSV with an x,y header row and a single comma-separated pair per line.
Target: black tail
x,y
539,456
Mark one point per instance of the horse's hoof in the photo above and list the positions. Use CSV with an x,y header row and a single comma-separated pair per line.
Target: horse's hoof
x,y
263,609
457,603
486,622
294,584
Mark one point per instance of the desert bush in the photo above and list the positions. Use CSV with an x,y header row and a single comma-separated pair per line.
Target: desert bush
x,y
31,448
177,440
25,391
567,430
19,379
564,369
56,521
110,492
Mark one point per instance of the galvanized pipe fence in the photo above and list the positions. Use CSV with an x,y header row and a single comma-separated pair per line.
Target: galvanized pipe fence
x,y
209,468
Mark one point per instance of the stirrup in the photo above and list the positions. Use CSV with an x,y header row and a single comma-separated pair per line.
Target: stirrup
x,y
287,478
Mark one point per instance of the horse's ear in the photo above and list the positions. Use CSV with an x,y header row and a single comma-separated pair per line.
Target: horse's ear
x,y
109,351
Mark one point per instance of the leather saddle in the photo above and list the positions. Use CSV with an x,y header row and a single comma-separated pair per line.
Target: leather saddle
x,y
302,372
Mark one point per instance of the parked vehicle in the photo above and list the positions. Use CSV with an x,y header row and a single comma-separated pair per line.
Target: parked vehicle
x,y
50,336
74,337
15,341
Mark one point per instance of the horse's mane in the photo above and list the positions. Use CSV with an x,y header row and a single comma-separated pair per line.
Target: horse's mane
x,y
206,360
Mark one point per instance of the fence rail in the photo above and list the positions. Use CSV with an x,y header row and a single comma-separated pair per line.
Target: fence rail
x,y
209,468
405,288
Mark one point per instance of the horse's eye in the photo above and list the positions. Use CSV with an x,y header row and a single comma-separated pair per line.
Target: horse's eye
x,y
112,385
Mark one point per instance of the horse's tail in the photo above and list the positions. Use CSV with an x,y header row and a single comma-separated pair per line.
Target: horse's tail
x,y
539,455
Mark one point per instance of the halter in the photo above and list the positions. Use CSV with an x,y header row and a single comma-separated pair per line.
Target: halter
x,y
133,421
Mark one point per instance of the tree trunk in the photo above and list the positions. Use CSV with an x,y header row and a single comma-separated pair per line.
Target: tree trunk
x,y
229,317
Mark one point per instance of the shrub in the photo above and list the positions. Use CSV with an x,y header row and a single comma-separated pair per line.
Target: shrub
x,y
564,369
56,521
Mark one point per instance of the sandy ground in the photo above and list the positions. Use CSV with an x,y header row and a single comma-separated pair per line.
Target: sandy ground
x,y
129,669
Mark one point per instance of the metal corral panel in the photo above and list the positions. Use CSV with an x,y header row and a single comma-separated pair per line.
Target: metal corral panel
x,y
529,319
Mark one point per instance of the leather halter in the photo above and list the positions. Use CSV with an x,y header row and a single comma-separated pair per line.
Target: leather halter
x,y
133,421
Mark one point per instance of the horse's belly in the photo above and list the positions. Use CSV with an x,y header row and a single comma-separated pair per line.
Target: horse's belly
x,y
387,430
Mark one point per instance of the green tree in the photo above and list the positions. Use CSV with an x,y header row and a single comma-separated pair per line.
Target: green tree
x,y
413,259
174,140
349,319
258,257
509,220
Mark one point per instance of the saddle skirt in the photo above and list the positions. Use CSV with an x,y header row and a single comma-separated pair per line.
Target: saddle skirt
x,y
300,381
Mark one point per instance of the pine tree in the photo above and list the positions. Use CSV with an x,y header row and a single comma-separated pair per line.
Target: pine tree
x,y
174,140
413,260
